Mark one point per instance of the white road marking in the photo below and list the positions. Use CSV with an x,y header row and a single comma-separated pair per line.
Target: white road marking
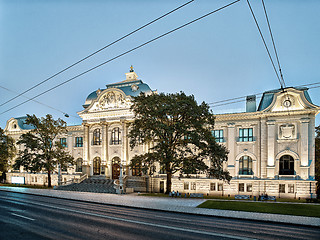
x,y
139,222
23,216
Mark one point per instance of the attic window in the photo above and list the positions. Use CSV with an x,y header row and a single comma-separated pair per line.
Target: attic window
x,y
14,126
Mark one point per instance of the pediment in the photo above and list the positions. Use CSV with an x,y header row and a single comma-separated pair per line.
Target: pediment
x,y
109,99
290,100
12,125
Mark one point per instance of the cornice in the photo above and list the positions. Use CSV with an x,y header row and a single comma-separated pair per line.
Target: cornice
x,y
258,115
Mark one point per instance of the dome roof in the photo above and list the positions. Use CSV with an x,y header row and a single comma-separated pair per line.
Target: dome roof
x,y
131,87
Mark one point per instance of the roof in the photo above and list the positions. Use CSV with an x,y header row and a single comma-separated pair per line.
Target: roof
x,y
130,88
268,96
21,122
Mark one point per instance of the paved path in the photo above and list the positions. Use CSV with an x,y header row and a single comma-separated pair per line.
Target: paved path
x,y
165,204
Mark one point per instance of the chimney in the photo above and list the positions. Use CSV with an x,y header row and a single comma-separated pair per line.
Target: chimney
x,y
251,103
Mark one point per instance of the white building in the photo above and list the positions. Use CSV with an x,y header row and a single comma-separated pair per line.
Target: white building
x,y
271,149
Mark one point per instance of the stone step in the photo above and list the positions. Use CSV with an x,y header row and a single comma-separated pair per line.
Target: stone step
x,y
92,184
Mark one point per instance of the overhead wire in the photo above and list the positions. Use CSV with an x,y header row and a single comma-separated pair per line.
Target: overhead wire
x,y
94,53
265,45
240,99
46,105
122,54
273,43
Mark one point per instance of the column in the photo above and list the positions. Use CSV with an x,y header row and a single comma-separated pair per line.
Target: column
x,y
104,147
271,142
263,147
86,146
231,147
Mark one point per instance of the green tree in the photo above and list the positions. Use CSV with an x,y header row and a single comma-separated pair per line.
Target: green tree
x,y
179,133
7,152
41,150
317,161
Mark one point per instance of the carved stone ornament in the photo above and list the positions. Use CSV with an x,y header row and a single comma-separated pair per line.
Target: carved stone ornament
x,y
287,131
287,101
111,100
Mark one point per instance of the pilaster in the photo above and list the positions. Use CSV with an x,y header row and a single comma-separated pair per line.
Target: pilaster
x,y
304,136
271,142
231,147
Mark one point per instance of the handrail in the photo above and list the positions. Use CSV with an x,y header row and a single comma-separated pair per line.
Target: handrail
x,y
83,177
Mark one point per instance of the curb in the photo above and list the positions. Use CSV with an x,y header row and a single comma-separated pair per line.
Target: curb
x,y
169,210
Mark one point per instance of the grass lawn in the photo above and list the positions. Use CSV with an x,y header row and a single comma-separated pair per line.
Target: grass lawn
x,y
308,210
25,186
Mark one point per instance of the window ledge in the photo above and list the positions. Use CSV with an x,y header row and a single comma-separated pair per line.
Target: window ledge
x,y
287,140
249,142
245,176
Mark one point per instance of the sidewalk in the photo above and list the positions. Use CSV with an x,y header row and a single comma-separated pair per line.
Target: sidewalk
x,y
180,205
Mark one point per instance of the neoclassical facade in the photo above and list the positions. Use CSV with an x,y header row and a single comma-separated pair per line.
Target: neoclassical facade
x,y
271,146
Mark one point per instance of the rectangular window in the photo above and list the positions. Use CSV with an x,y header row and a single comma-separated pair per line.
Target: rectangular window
x,y
193,186
282,188
63,142
249,187
245,134
186,186
79,142
212,186
220,187
241,187
32,179
218,135
290,188
35,179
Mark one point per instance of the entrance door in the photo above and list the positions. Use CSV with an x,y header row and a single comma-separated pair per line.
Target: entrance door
x,y
96,166
115,168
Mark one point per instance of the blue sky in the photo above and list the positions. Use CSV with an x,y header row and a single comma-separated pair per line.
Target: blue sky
x,y
217,58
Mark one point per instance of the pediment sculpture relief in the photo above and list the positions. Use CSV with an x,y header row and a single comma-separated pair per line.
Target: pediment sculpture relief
x,y
287,131
111,100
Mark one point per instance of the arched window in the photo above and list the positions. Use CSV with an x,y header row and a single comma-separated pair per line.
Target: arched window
x,y
96,137
286,165
79,165
245,165
115,136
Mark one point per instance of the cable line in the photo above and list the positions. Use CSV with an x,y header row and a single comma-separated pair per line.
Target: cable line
x,y
273,43
122,54
65,114
94,53
227,101
265,45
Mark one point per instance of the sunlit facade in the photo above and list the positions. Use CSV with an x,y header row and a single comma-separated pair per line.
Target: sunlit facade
x,y
271,146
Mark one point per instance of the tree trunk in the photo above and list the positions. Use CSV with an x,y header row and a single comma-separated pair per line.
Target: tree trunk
x,y
169,176
49,178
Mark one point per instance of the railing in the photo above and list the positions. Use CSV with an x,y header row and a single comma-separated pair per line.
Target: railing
x,y
83,177
75,180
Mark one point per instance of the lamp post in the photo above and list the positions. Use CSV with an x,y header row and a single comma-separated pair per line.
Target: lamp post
x,y
121,180
59,174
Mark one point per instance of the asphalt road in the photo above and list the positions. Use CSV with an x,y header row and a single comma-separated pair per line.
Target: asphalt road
x,y
24,216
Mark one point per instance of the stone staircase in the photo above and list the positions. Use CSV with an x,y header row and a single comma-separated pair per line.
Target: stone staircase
x,y
138,184
97,184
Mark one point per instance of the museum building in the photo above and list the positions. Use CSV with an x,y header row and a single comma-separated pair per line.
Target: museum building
x,y
271,145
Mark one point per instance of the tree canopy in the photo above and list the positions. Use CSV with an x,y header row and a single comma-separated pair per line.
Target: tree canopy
x,y
7,151
42,151
179,132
